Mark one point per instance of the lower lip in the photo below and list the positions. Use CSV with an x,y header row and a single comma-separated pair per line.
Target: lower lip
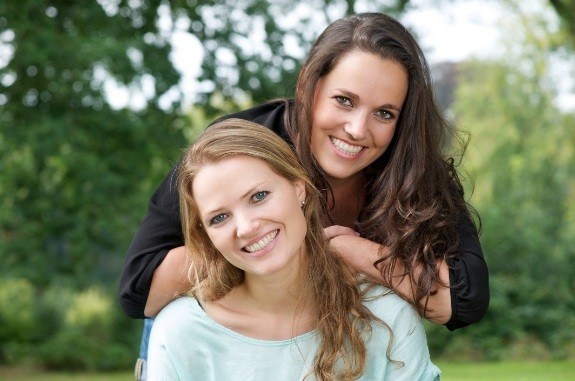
x,y
266,250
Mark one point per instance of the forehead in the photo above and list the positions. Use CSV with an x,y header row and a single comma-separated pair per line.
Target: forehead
x,y
357,68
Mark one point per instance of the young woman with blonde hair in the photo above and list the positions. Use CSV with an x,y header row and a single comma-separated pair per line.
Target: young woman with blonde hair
x,y
270,300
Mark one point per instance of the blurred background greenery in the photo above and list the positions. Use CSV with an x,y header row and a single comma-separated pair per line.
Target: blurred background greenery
x,y
78,165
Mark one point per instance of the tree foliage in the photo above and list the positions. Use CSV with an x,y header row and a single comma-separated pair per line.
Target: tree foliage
x,y
566,11
524,194
76,172
523,157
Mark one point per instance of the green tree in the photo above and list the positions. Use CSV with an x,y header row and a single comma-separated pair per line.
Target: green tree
x,y
76,172
522,154
566,11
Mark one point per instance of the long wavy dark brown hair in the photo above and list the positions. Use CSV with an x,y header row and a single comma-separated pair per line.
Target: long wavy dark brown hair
x,y
414,197
340,314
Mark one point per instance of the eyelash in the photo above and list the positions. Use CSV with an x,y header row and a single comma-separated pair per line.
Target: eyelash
x,y
254,198
343,100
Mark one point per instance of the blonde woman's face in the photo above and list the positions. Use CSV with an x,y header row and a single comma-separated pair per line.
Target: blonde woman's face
x,y
252,215
355,112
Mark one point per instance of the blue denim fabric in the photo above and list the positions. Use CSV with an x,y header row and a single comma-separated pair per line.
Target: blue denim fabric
x,y
140,371
145,338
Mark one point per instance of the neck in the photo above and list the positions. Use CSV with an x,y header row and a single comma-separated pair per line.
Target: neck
x,y
273,307
281,292
346,199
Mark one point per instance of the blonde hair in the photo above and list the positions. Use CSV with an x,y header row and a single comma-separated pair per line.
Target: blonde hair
x,y
341,317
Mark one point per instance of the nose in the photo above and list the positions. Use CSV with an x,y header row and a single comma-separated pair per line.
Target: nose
x,y
356,126
246,225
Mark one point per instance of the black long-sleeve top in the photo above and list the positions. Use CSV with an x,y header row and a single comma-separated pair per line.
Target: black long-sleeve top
x,y
161,231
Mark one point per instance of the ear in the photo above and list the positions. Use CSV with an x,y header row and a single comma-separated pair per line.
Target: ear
x,y
300,190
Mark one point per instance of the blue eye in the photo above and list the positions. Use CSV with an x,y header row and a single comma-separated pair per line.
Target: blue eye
x,y
218,219
259,196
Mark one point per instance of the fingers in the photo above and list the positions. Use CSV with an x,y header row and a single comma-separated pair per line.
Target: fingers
x,y
337,230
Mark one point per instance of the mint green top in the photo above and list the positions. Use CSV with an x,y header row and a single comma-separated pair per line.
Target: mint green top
x,y
186,344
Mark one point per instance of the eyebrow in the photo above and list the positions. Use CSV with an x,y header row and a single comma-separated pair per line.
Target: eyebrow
x,y
353,95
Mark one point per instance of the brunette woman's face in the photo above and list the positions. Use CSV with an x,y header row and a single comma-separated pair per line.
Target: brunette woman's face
x,y
252,215
355,112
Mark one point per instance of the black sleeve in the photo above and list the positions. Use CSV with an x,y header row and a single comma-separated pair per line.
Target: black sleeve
x,y
159,232
469,279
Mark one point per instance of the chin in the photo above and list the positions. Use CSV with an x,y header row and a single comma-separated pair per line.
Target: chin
x,y
340,174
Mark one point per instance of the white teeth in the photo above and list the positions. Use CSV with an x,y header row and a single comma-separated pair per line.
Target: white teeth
x,y
344,147
262,243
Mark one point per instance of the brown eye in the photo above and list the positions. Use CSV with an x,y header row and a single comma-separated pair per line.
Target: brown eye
x,y
384,114
344,101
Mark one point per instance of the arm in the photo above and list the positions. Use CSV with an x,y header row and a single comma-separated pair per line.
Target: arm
x,y
467,299
469,279
362,253
160,232
169,281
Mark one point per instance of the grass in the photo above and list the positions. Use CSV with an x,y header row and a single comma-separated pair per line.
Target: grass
x,y
29,374
501,371
507,371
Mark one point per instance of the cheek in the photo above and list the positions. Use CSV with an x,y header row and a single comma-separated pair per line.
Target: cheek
x,y
219,241
383,137
322,116
323,124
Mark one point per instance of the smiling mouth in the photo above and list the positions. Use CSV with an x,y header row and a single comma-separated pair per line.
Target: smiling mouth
x,y
345,148
262,243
